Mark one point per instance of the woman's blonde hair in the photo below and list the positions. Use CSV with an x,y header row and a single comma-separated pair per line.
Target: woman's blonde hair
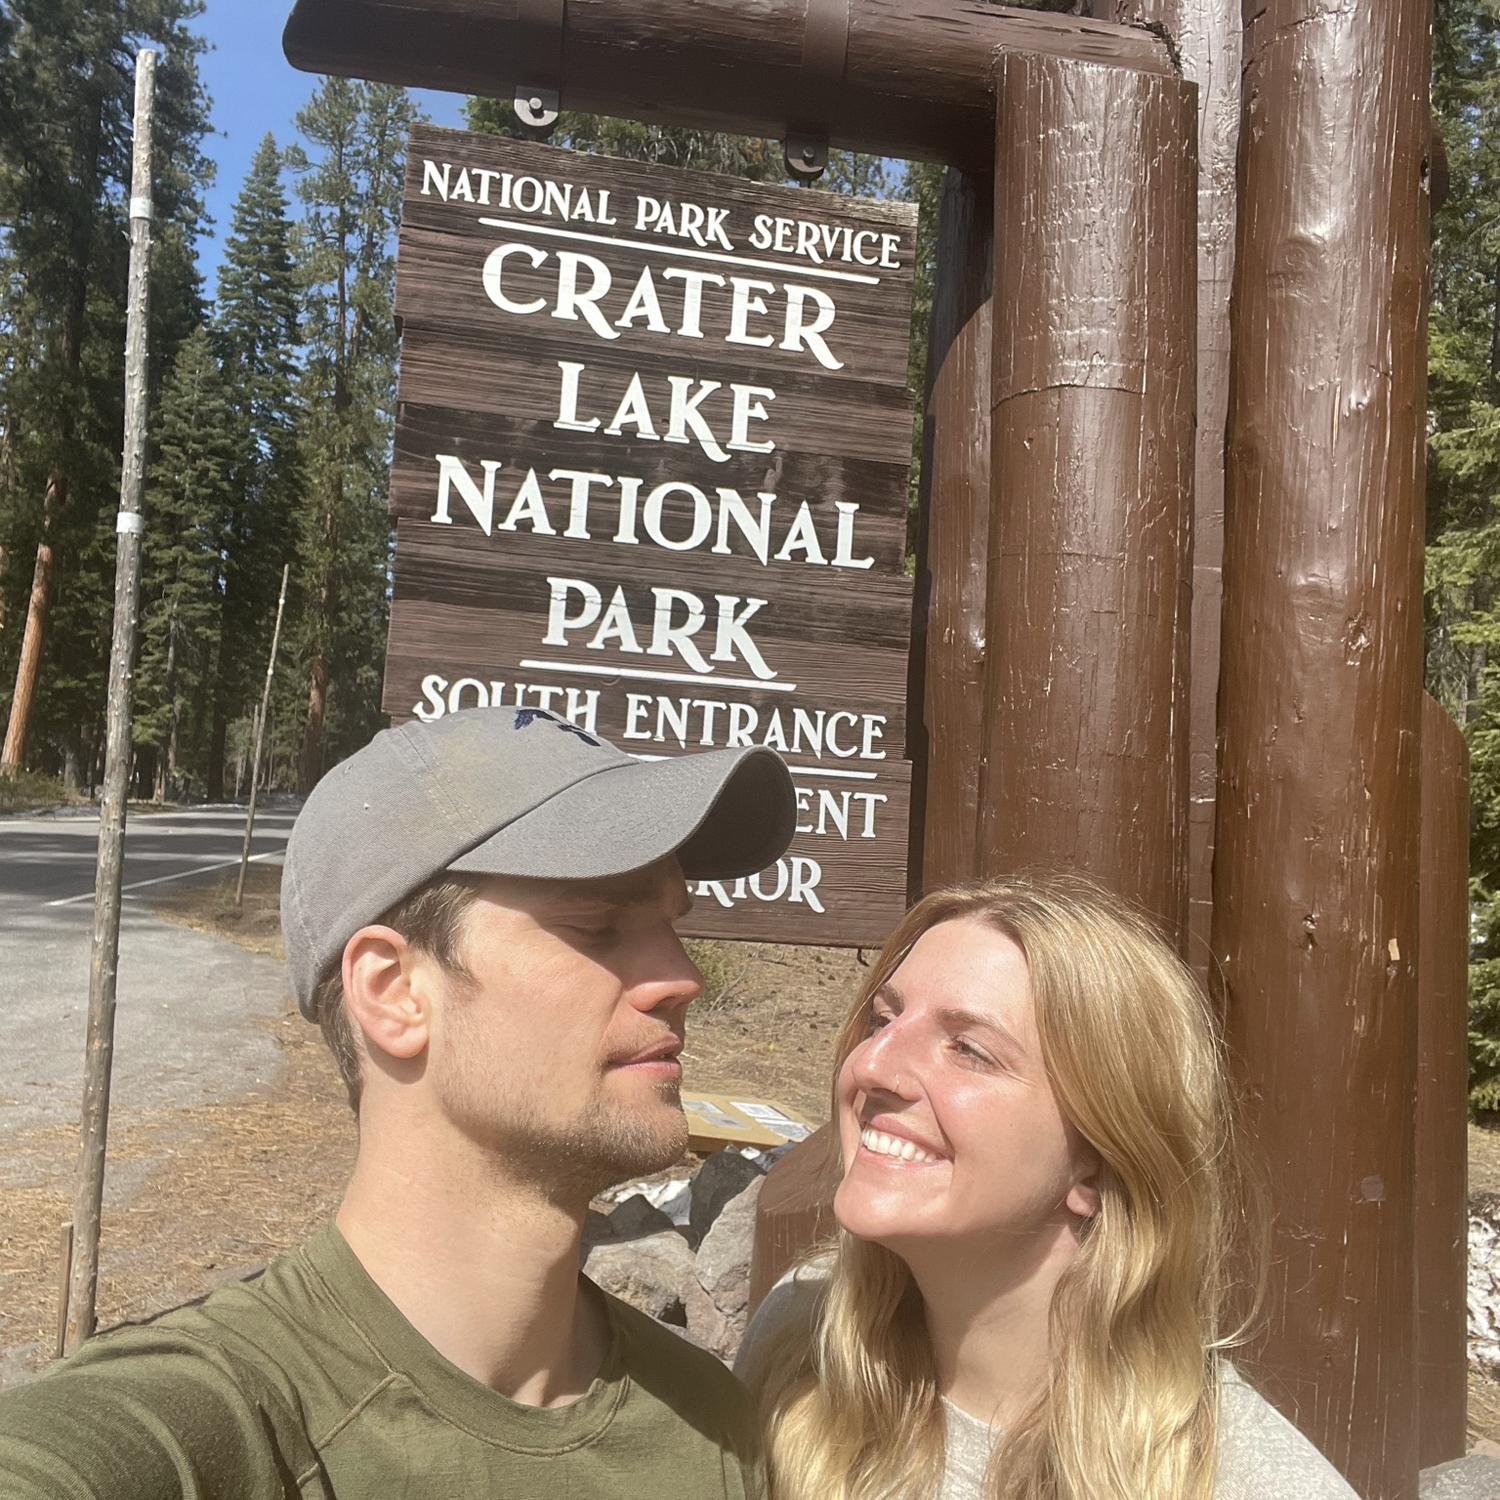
x,y
1130,1410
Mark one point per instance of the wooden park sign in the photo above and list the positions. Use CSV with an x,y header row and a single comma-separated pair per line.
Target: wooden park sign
x,y
651,473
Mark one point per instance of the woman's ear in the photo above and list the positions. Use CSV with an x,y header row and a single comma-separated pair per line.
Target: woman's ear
x,y
383,1001
1084,1196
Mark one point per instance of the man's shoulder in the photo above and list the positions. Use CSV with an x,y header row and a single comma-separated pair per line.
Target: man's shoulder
x,y
675,1370
221,1381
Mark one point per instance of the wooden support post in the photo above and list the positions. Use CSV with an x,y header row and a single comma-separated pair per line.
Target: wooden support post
x,y
104,958
1207,35
1442,1221
260,729
1320,703
795,1209
953,539
1091,478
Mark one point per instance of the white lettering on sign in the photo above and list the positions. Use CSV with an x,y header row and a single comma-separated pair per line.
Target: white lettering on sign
x,y
583,282
614,625
722,517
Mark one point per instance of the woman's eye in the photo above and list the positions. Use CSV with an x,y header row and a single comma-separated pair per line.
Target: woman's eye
x,y
971,1053
878,1022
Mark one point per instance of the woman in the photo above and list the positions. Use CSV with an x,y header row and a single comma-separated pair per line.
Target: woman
x,y
1027,1293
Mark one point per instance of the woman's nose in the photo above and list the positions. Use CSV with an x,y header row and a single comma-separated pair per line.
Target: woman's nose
x,y
885,1063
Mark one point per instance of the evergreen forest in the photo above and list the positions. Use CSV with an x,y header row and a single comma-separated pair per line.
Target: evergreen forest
x,y
272,398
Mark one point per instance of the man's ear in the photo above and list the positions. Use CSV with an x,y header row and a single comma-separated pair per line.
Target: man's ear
x,y
382,993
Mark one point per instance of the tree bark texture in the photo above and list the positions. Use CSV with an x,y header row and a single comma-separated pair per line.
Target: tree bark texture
x,y
1208,37
1320,702
105,950
1442,1224
955,531
916,78
1091,484
34,633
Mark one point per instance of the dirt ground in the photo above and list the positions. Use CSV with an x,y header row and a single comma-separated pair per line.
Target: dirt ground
x,y
219,1190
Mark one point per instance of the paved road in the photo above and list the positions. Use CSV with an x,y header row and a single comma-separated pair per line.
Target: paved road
x,y
189,1004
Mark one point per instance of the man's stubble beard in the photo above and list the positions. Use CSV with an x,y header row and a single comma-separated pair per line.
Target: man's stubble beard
x,y
569,1160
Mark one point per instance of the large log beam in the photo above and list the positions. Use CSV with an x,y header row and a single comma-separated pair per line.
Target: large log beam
x,y
1091,483
916,79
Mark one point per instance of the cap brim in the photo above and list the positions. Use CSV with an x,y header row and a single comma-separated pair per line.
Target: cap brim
x,y
723,813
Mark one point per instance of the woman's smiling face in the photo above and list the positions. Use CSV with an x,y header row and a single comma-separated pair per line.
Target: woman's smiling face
x,y
950,1132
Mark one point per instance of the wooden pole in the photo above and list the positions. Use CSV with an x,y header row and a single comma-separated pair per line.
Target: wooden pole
x,y
915,80
1091,480
1315,922
951,564
1208,36
260,726
104,960
1442,1221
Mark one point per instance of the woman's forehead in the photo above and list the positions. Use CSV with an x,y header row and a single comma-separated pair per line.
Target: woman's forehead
x,y
969,963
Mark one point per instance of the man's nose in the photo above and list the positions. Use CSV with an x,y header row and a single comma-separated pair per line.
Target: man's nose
x,y
671,980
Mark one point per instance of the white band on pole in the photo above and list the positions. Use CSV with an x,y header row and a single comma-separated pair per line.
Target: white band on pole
x,y
142,208
130,523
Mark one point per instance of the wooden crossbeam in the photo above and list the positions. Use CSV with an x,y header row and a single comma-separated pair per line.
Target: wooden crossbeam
x,y
917,78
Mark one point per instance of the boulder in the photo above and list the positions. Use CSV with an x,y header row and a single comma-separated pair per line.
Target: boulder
x,y
724,1175
1484,1284
723,1265
636,1217
651,1273
1473,1478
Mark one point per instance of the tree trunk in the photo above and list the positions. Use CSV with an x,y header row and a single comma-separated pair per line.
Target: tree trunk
x,y
72,766
310,765
55,501
38,609
216,745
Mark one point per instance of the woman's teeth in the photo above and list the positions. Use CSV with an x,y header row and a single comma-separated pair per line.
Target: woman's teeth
x,y
889,1145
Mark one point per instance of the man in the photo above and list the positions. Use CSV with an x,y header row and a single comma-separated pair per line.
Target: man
x,y
479,913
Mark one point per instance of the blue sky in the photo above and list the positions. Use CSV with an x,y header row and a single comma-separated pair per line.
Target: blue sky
x,y
255,89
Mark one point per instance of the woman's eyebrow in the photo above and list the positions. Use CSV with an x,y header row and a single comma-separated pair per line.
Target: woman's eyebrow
x,y
889,995
955,1018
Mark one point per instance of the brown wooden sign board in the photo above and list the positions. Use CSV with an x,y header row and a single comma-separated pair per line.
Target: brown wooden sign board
x,y
651,474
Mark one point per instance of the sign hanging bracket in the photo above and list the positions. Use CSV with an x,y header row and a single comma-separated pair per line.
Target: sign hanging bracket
x,y
539,46
825,50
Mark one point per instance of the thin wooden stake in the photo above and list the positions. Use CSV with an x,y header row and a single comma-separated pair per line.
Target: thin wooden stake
x,y
104,960
260,729
64,1276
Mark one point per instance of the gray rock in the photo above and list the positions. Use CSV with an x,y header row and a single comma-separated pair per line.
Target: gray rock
x,y
596,1231
725,1175
650,1273
723,1265
1474,1478
707,1326
636,1218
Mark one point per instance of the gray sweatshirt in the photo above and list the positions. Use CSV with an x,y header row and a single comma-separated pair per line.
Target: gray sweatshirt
x,y
1262,1456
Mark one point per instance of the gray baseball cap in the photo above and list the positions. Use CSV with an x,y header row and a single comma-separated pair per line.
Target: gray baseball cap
x,y
512,791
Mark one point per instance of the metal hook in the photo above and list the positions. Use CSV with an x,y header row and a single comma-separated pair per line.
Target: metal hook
x,y
825,50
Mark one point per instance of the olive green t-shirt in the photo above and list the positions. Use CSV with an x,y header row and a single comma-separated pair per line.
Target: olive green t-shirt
x,y
308,1382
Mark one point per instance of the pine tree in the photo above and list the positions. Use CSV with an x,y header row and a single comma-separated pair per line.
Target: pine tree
x,y
66,82
256,332
1463,470
199,443
351,184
